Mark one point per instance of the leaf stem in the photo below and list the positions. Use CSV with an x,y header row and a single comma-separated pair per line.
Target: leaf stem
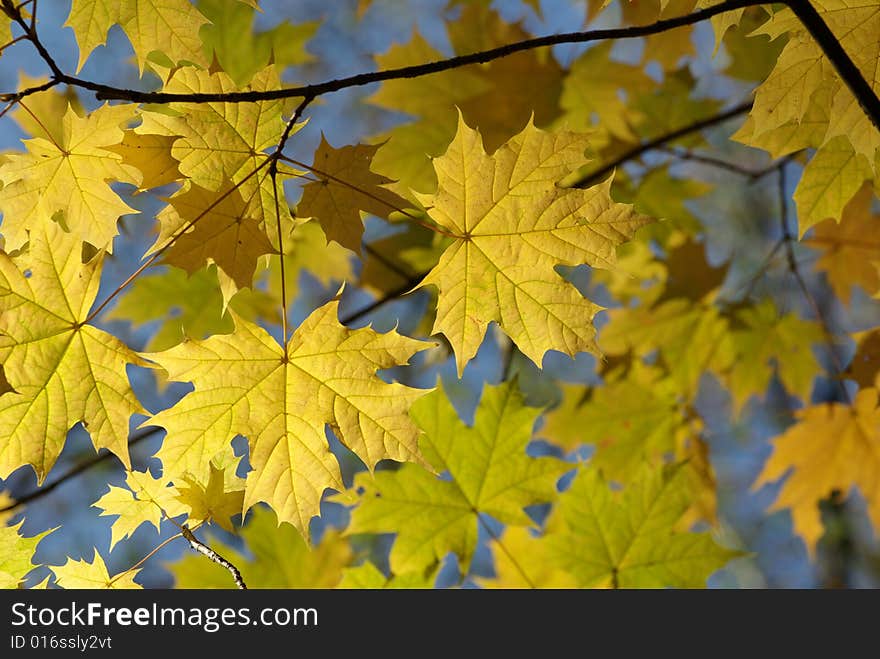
x,y
147,557
75,471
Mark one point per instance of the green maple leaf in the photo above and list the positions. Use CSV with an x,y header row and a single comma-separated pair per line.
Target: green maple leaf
x,y
627,539
283,45
765,344
489,473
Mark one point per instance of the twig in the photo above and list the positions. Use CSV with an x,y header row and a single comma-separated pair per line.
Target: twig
x,y
636,151
751,174
75,471
789,240
205,550
410,284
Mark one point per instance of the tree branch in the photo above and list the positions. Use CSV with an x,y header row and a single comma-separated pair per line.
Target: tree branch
x,y
835,53
105,92
644,147
388,297
76,471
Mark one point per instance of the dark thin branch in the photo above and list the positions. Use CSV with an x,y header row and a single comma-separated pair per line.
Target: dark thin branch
x,y
76,471
388,263
105,92
408,287
752,174
789,239
15,14
599,174
17,96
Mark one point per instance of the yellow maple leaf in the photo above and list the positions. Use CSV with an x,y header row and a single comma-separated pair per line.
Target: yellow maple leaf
x,y
219,142
38,113
63,371
520,561
68,179
832,447
830,180
225,230
592,88
281,399
151,155
511,224
218,500
16,554
802,69
849,254
85,575
489,95
144,500
168,26
346,187
366,575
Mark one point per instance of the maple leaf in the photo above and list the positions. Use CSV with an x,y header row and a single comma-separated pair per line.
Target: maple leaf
x,y
764,344
847,258
346,187
92,575
281,399
865,364
16,552
218,500
279,558
635,415
511,225
38,114
168,26
490,96
307,250
151,156
830,180
144,500
67,180
490,473
219,142
692,337
627,540
832,447
802,69
222,228
63,371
